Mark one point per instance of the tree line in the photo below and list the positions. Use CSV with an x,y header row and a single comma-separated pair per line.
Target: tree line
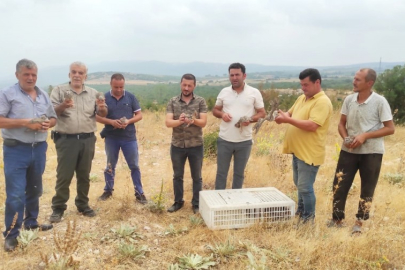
x,y
154,96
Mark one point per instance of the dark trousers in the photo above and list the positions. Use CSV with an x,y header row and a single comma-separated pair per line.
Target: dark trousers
x,y
23,169
369,166
74,155
195,157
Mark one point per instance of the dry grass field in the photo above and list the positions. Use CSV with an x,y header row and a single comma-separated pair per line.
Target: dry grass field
x,y
127,235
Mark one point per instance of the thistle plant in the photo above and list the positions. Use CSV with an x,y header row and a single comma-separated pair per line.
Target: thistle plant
x,y
127,232
195,261
133,252
172,231
26,237
196,221
226,249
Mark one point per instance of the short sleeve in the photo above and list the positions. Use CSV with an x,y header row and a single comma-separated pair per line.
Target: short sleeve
x,y
4,105
385,111
345,106
169,107
203,106
258,100
135,105
220,99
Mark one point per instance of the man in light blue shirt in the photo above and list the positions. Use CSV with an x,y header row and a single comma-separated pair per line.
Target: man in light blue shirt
x,y
26,114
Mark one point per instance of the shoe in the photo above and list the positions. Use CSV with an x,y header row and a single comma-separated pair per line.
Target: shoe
x,y
42,227
106,195
196,209
356,230
176,206
56,216
10,244
87,212
141,198
335,223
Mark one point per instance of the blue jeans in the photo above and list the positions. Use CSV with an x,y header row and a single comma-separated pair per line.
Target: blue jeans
x,y
23,169
304,178
130,151
195,157
240,152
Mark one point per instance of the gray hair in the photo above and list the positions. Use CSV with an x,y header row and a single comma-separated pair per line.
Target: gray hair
x,y
26,63
80,64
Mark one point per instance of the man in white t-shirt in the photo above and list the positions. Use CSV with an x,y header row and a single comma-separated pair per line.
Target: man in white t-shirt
x,y
238,106
365,119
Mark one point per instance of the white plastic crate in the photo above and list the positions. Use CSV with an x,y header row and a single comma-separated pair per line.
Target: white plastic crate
x,y
239,208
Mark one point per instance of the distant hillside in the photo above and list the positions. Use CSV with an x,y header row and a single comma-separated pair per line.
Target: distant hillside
x,y
132,76
162,71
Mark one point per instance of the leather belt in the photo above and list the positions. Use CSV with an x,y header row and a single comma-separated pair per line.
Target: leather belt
x,y
13,142
77,136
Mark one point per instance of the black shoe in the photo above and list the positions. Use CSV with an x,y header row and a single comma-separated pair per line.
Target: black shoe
x,y
56,216
176,206
196,209
10,244
141,198
42,227
106,195
87,212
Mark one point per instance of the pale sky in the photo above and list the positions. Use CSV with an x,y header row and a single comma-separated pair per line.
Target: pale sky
x,y
269,32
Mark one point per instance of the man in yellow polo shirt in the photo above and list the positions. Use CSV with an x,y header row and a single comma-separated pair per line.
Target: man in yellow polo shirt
x,y
305,138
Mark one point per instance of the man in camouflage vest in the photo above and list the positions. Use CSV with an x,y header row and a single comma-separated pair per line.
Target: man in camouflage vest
x,y
187,115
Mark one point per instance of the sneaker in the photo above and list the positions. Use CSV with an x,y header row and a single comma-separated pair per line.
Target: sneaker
x,y
106,195
56,216
335,223
141,199
196,209
357,227
10,244
87,212
176,206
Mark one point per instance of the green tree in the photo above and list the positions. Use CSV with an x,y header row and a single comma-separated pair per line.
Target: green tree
x,y
210,103
391,84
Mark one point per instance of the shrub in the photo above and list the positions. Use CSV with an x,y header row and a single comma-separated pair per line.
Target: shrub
x,y
210,144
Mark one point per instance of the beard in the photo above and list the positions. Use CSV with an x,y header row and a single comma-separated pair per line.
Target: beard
x,y
186,94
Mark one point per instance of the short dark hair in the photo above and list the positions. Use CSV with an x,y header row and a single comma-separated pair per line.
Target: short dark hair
x,y
117,76
312,73
237,66
189,76
371,74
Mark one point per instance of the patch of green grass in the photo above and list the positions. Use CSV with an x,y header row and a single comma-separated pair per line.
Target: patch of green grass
x,y
210,144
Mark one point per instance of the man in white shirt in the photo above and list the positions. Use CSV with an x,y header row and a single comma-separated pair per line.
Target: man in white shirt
x,y
238,106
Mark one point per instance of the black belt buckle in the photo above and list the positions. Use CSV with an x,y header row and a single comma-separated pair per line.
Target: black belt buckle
x,y
78,136
84,135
